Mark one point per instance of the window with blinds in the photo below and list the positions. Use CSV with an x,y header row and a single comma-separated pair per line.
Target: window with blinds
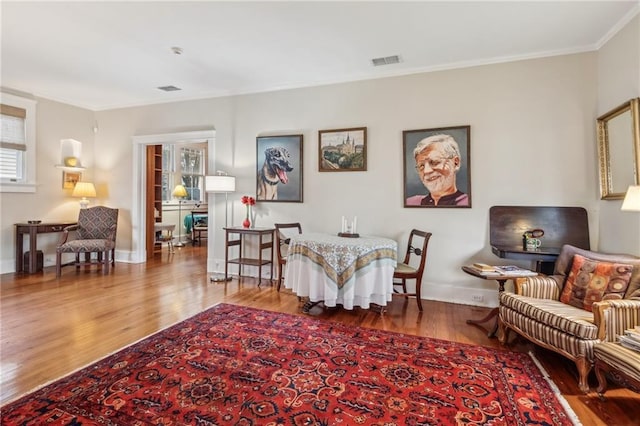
x,y
17,143
192,165
13,143
187,169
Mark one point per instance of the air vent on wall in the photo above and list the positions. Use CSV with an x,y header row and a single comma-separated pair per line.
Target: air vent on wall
x,y
169,88
387,60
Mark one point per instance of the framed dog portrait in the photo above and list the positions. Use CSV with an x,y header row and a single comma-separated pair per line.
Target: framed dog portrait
x,y
437,167
279,168
342,150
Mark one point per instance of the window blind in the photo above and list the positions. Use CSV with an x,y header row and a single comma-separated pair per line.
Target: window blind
x,y
12,141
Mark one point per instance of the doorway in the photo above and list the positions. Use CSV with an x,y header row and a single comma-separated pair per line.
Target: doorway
x,y
139,210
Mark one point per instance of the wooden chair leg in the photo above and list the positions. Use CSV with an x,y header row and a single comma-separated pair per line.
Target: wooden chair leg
x,y
503,332
602,379
58,264
279,276
106,262
584,367
418,298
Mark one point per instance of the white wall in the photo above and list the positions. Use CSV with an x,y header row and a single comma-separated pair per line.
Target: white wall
x,y
619,81
55,121
532,143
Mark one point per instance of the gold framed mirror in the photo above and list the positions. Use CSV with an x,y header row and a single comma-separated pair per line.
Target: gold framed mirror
x,y
619,149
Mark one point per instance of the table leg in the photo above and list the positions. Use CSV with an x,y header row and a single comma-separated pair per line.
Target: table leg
x,y
308,305
378,309
19,249
226,256
260,260
492,314
33,242
272,242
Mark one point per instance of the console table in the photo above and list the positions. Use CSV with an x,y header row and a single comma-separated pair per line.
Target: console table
x,y
241,260
33,229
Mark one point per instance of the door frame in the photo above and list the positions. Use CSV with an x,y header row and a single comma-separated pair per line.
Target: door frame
x,y
138,231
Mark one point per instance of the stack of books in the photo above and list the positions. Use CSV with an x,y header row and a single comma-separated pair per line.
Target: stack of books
x,y
631,339
485,269
491,270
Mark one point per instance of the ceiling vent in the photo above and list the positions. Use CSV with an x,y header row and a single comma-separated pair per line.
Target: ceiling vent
x,y
169,88
387,60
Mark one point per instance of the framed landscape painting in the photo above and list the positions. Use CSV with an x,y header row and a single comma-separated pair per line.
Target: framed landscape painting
x,y
279,168
437,167
342,150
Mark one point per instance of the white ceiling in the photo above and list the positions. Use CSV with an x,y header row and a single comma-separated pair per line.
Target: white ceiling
x,y
104,55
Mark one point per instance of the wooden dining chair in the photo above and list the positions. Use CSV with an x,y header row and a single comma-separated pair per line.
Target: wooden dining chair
x,y
282,246
412,267
199,225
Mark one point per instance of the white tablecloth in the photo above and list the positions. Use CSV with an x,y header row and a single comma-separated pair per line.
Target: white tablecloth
x,y
341,271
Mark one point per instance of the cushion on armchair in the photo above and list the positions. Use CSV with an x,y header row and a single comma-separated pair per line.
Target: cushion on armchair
x,y
565,262
592,281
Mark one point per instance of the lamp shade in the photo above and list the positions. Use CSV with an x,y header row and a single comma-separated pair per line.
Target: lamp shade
x,y
83,190
180,191
631,201
220,183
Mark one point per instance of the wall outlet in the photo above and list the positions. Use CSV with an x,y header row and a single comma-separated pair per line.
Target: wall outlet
x,y
477,298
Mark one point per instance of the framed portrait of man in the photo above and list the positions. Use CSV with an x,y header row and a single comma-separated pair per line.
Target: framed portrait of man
x,y
437,167
279,168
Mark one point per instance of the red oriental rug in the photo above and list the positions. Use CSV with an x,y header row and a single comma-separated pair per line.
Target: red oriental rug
x,y
233,365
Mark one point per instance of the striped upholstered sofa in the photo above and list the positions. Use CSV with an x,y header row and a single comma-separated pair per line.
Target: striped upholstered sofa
x,y
544,310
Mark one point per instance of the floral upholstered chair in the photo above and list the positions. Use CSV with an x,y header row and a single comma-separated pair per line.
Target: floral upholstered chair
x,y
590,298
95,232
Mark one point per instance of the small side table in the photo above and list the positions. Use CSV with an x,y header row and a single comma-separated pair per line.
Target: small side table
x,y
166,234
495,311
241,260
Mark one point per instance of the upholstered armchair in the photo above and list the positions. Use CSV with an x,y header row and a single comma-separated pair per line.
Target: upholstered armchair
x,y
95,232
590,298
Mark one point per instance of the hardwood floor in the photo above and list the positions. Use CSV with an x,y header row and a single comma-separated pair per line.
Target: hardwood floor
x,y
52,327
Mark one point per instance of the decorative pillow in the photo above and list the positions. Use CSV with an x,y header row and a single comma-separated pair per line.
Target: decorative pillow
x,y
592,281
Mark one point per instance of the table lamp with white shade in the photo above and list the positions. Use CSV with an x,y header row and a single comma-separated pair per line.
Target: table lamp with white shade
x,y
84,190
180,192
221,183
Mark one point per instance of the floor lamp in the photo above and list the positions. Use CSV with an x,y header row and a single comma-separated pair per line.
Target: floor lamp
x,y
180,192
221,183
